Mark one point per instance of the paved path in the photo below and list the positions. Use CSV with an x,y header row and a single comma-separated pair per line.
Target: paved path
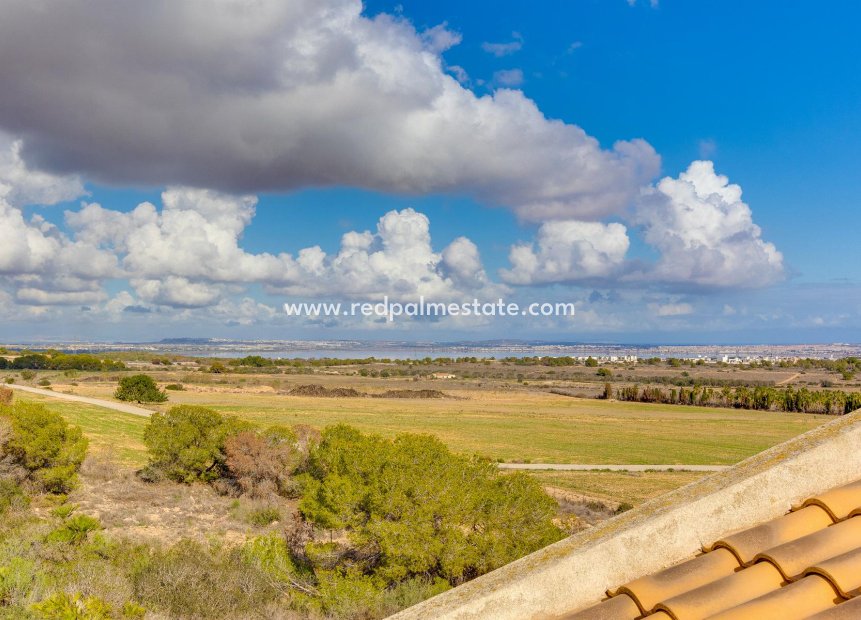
x,y
570,467
107,404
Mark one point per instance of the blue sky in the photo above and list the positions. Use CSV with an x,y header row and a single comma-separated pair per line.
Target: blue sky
x,y
768,92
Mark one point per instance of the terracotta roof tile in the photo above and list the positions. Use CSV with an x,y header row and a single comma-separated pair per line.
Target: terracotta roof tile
x,y
795,525
616,608
805,564
741,587
795,557
850,610
650,590
796,601
839,502
844,571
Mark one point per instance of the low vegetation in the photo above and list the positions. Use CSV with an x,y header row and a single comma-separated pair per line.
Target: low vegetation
x,y
139,389
379,520
759,398
59,361
39,447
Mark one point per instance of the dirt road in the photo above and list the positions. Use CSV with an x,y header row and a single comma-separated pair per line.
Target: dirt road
x,y
107,404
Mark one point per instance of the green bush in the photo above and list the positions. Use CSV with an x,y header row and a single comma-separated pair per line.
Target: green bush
x,y
12,496
16,581
263,515
63,606
140,389
75,530
175,387
412,508
44,444
27,374
187,442
64,510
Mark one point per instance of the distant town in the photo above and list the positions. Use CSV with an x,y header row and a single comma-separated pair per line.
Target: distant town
x,y
391,349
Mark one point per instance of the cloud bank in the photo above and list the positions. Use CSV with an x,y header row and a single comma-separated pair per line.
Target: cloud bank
x,y
190,94
244,96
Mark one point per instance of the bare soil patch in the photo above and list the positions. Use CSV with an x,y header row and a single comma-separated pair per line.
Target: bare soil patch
x,y
165,512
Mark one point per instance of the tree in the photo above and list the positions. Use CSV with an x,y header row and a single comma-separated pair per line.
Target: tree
x,y
608,391
140,389
43,443
187,442
591,362
412,508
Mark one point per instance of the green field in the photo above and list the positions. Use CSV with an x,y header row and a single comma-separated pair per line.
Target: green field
x,y
535,427
119,435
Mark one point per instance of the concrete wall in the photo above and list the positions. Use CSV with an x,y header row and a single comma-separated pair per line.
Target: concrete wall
x,y
575,572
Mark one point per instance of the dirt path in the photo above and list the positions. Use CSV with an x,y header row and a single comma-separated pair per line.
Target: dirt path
x,y
788,379
122,407
572,467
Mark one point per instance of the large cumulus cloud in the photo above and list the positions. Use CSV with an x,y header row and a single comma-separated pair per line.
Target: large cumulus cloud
x,y
255,95
705,233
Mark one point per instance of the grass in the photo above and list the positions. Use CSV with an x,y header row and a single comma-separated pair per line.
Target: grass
x,y
119,435
538,427
631,487
520,426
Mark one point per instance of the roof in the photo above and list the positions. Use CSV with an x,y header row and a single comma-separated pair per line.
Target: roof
x,y
668,531
805,564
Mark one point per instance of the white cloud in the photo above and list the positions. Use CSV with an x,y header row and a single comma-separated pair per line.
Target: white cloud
x,y
705,233
504,49
397,260
39,297
673,309
21,185
509,77
568,252
439,38
459,73
195,236
34,251
290,94
189,254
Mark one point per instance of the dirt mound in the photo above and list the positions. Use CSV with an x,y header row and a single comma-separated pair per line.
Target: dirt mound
x,y
342,392
412,394
320,391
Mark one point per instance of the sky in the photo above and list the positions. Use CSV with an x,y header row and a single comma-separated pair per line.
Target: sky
x,y
680,172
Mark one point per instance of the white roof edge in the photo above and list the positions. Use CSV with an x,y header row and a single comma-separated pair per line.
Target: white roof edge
x,y
576,571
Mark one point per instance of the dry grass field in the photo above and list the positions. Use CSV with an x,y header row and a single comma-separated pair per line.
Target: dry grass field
x,y
506,425
520,421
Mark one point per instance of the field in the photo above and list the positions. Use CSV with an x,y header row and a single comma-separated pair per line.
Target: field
x,y
505,411
613,486
514,425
